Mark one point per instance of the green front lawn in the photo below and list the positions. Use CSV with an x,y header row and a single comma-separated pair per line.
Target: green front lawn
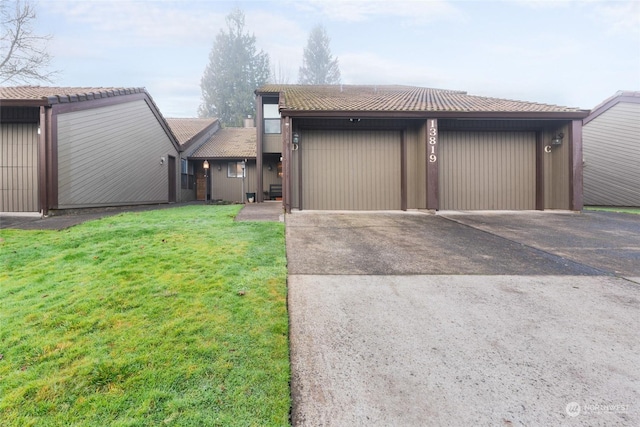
x,y
167,317
613,209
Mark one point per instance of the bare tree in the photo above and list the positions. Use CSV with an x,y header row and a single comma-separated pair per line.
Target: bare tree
x,y
279,75
23,53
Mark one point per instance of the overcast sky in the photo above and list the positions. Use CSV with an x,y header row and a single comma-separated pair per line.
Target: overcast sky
x,y
570,53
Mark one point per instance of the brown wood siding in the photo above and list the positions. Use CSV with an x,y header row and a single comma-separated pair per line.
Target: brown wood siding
x,y
230,189
351,170
487,170
557,171
18,167
111,156
272,143
416,169
611,148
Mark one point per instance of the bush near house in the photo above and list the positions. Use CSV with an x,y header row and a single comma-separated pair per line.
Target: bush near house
x,y
167,317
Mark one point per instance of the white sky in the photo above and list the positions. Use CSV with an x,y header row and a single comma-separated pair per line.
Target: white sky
x,y
571,53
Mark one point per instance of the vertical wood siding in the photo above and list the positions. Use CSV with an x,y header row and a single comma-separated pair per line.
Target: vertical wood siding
x,y
557,172
18,167
230,189
111,156
350,170
487,170
416,168
611,144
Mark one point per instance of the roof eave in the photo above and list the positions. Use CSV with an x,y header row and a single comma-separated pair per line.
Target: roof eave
x,y
550,115
24,102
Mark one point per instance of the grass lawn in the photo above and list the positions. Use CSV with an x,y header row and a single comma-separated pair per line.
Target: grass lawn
x,y
613,209
168,317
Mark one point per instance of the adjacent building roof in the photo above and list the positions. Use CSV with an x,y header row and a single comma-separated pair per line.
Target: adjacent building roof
x,y
45,95
229,143
187,130
296,99
620,96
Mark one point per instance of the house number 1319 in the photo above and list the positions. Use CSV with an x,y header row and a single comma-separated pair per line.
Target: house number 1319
x,y
433,141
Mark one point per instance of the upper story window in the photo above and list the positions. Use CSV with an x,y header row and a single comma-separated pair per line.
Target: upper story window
x,y
271,117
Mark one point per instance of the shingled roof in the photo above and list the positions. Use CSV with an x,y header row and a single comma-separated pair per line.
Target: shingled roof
x,y
229,143
187,129
46,95
399,99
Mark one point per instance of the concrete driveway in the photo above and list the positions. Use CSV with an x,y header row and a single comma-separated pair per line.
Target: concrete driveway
x,y
412,319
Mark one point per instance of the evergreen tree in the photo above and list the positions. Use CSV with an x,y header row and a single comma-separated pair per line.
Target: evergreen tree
x,y
318,66
234,72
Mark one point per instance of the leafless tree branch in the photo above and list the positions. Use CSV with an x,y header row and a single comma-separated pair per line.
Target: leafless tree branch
x,y
23,53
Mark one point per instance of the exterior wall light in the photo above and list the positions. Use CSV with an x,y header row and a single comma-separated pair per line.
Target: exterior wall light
x,y
162,160
205,164
557,140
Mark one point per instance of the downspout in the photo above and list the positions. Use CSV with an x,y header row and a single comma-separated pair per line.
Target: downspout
x,y
43,203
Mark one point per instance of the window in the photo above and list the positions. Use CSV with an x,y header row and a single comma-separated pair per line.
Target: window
x,y
235,169
187,179
271,118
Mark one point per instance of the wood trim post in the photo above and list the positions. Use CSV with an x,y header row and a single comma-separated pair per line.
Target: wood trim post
x,y
43,206
52,159
575,161
432,161
259,149
539,171
299,151
286,164
403,170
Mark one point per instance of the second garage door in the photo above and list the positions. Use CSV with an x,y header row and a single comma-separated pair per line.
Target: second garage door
x,y
351,170
487,170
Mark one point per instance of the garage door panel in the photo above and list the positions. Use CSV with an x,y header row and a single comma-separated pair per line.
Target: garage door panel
x,y
351,170
487,170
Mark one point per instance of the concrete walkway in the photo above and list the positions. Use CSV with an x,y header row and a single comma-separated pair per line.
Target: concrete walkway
x,y
411,319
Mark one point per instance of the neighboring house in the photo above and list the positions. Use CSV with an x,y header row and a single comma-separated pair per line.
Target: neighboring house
x,y
611,138
400,147
68,148
231,156
191,134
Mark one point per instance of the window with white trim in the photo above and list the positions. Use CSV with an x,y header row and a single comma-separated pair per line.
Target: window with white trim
x,y
235,169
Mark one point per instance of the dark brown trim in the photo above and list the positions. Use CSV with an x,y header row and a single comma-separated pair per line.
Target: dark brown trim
x,y
286,164
42,161
24,102
259,150
608,104
163,123
299,151
52,160
431,148
436,115
403,170
539,171
207,132
575,160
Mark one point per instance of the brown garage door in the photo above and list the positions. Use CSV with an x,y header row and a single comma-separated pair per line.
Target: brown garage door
x,y
351,170
487,170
